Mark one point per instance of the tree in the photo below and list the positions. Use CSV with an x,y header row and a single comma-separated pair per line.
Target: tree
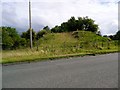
x,y
64,27
7,41
117,35
10,38
80,25
85,23
105,36
46,28
72,25
41,34
23,42
56,29
111,37
26,35
89,25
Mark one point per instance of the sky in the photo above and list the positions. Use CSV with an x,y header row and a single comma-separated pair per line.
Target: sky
x,y
53,12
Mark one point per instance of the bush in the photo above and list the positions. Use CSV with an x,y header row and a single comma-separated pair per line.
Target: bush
x,y
10,38
41,34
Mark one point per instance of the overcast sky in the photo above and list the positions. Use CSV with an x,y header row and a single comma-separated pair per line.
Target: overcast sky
x,y
54,12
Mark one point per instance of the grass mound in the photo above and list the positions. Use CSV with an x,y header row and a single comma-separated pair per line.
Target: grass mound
x,y
59,45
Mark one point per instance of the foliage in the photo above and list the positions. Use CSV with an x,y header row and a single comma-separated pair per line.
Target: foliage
x,y
117,35
80,32
72,24
41,34
56,29
46,28
111,37
89,25
23,42
54,45
10,38
26,36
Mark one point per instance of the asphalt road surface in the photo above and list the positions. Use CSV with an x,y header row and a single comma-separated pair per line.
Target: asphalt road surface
x,y
100,71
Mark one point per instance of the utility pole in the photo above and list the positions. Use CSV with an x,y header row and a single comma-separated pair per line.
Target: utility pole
x,y
30,28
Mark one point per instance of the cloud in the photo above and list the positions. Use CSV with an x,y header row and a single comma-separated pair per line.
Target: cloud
x,y
53,12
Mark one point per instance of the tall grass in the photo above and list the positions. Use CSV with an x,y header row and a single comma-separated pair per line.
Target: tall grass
x,y
61,45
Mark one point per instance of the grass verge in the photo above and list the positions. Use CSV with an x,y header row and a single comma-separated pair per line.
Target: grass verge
x,y
38,58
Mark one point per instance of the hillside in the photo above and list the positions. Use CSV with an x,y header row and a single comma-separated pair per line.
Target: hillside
x,y
82,40
57,45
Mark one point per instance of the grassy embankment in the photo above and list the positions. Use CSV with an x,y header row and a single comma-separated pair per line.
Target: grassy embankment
x,y
60,45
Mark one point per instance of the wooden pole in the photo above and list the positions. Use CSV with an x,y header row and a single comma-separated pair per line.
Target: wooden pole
x,y
30,27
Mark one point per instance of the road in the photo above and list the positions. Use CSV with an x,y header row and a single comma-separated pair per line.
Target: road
x,y
100,71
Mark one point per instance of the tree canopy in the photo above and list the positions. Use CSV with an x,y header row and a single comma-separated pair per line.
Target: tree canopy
x,y
117,35
40,34
82,23
10,38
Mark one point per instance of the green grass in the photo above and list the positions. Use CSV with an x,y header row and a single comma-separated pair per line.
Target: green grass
x,y
61,45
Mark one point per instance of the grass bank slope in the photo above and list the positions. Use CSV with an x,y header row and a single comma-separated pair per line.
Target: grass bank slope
x,y
60,45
